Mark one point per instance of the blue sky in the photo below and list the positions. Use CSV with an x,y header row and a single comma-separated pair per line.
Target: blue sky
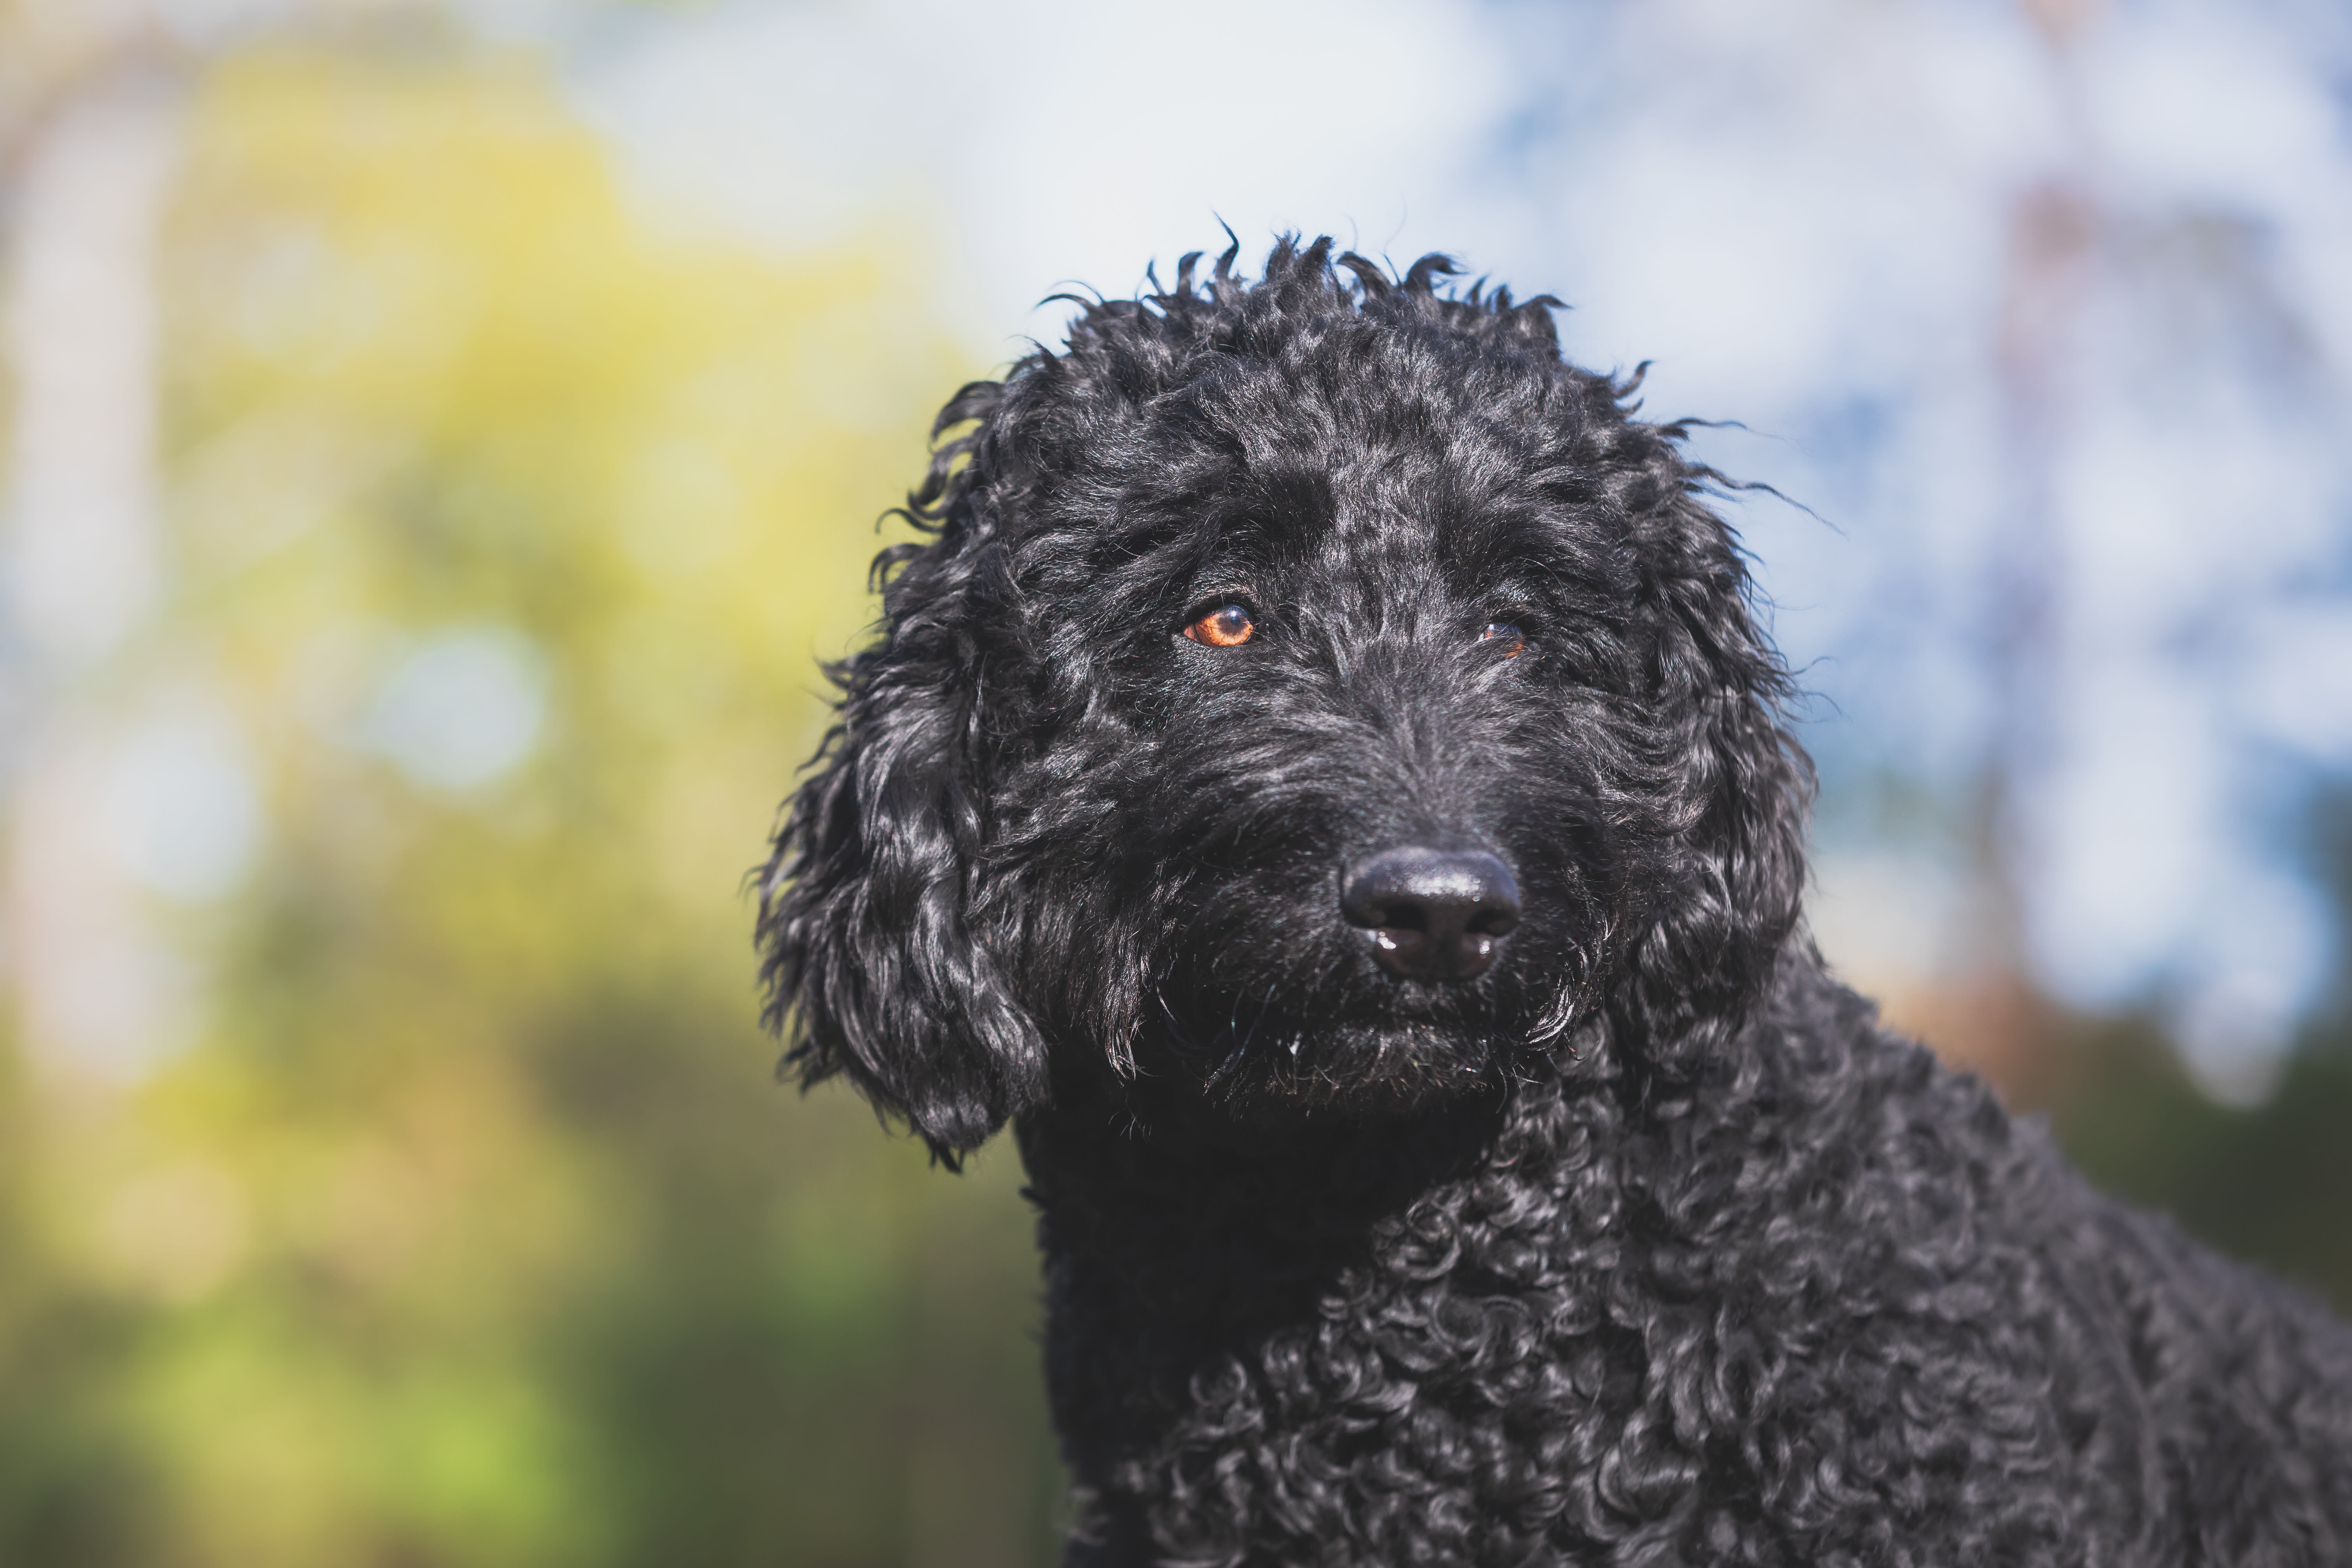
x,y
1818,218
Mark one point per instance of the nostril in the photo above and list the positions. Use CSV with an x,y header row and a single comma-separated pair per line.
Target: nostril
x,y
1434,914
1498,917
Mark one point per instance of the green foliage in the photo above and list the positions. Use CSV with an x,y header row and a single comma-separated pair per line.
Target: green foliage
x,y
2271,1184
2268,1184
473,1229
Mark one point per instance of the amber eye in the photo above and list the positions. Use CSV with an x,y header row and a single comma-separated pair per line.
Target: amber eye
x,y
1228,626
1511,641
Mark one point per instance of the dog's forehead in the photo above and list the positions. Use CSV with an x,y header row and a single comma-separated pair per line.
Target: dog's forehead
x,y
1409,516
1395,432
1294,470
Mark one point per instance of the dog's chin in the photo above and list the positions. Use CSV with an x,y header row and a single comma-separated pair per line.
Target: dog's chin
x,y
1374,1067
1395,1067
1328,1031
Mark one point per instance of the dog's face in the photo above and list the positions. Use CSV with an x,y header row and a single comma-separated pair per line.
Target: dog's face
x,y
1314,694
1362,669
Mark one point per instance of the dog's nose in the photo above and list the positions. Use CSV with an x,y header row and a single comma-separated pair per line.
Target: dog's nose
x,y
1434,914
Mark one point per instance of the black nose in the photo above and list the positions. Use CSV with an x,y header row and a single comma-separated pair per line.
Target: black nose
x,y
1434,914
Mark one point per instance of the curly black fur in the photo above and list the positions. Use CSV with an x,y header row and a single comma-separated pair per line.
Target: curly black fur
x,y
1646,1245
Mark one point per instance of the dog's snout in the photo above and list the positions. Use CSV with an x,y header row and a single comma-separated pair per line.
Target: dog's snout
x,y
1434,914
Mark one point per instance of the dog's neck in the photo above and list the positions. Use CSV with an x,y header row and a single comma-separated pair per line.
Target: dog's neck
x,y
1115,1153
1158,1204
1211,1274
1168,1209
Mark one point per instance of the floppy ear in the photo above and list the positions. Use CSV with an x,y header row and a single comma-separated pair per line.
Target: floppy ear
x,y
1738,786
874,967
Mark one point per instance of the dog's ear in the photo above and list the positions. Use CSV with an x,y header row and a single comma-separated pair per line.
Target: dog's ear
x,y
1738,787
873,964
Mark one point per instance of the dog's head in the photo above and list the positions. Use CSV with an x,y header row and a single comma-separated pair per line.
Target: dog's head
x,y
1310,688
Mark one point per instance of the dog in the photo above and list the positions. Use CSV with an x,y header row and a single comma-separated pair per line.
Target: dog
x,y
1321,778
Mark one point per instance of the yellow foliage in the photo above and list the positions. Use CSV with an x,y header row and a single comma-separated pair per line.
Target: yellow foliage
x,y
474,1230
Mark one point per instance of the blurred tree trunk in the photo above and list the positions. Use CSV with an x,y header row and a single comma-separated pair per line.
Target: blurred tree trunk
x,y
91,137
2054,230
92,96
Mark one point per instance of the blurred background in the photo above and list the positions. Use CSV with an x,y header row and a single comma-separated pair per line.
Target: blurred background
x,y
440,440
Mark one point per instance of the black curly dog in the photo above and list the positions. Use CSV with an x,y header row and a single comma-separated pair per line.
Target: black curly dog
x,y
1322,780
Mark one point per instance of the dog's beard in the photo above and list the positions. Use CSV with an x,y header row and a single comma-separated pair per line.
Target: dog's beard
x,y
1266,996
1242,1048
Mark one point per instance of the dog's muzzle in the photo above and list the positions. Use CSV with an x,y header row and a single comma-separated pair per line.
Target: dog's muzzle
x,y
1431,915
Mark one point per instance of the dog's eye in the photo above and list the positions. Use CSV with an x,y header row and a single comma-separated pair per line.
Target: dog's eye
x,y
1227,626
1508,640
